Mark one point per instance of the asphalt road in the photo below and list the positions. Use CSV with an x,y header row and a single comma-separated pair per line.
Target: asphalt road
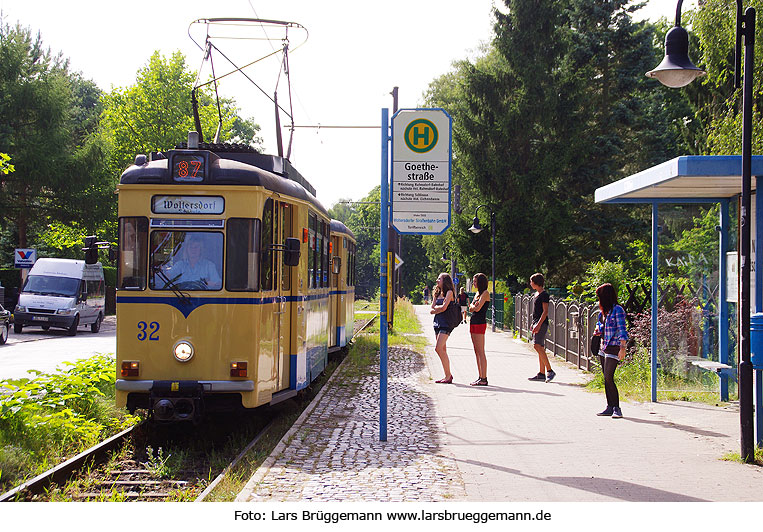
x,y
47,350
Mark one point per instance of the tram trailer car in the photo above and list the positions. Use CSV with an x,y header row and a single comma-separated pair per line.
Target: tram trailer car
x,y
224,280
342,294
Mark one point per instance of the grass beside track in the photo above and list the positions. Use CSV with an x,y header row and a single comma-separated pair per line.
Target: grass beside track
x,y
52,417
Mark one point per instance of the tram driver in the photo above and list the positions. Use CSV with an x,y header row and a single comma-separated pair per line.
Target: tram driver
x,y
194,269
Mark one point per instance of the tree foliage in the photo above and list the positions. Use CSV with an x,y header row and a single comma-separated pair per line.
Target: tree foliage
x,y
155,114
538,127
714,24
48,119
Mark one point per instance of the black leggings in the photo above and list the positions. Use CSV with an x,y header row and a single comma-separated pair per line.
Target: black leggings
x,y
608,367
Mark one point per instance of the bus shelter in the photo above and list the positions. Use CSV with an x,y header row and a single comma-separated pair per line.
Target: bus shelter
x,y
691,180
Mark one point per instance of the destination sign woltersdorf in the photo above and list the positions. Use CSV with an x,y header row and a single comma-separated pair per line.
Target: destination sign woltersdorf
x,y
421,161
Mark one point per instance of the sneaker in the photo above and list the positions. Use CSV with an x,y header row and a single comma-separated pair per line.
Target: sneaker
x,y
617,413
538,377
607,411
550,375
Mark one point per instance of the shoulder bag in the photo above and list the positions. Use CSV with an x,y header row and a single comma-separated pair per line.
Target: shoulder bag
x,y
595,343
453,314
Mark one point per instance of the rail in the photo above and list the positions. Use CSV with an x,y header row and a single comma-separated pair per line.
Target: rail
x,y
64,471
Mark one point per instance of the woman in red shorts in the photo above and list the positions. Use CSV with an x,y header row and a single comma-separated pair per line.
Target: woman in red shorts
x,y
477,325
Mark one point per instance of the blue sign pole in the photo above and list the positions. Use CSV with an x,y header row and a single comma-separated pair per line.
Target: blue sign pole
x,y
384,207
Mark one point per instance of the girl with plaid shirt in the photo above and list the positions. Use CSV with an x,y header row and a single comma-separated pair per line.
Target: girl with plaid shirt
x,y
614,336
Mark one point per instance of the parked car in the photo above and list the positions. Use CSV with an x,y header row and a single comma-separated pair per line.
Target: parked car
x,y
61,293
5,324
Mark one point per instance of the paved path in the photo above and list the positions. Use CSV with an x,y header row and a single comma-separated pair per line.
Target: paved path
x,y
514,440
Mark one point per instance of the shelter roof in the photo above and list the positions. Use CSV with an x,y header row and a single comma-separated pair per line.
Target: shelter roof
x,y
687,178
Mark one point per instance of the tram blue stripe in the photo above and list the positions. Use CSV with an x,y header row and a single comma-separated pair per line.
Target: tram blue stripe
x,y
186,306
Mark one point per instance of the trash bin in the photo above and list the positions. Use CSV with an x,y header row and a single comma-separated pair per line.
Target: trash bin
x,y
756,340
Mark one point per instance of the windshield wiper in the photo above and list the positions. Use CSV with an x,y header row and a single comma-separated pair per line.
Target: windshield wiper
x,y
170,283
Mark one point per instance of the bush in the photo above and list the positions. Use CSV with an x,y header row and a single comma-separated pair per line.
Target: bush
x,y
56,415
597,274
110,275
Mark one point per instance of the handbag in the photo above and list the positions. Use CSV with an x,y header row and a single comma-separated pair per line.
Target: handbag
x,y
595,344
453,315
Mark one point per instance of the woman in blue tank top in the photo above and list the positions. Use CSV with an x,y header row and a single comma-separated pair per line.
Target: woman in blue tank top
x,y
443,298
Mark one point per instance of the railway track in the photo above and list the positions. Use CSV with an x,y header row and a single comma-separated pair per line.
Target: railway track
x,y
134,464
64,471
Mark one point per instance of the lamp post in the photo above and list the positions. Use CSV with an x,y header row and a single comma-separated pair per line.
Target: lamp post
x,y
476,228
677,70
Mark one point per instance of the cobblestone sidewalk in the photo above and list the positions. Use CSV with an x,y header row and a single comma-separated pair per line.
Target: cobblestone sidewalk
x,y
333,452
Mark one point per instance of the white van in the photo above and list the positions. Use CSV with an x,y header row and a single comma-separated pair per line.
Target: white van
x,y
61,293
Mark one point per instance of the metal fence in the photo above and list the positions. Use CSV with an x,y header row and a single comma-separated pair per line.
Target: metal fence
x,y
570,326
503,311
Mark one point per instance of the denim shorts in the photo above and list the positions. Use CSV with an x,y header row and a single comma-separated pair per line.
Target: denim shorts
x,y
444,330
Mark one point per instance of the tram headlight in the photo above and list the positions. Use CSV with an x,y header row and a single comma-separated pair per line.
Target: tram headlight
x,y
183,351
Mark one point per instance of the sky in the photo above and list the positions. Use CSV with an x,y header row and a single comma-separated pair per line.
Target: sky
x,y
355,53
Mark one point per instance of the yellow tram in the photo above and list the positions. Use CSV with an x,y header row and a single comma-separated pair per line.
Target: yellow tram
x,y
233,283
342,294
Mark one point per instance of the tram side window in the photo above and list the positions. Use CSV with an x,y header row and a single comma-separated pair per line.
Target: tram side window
x,y
352,268
243,255
133,247
267,242
317,254
311,253
326,240
348,266
286,228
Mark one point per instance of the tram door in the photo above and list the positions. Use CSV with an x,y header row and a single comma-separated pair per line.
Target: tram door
x,y
284,229
337,298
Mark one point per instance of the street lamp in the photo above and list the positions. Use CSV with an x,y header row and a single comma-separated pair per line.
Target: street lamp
x,y
676,70
476,228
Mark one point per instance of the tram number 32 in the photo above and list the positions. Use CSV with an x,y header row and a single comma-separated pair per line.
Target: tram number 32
x,y
148,331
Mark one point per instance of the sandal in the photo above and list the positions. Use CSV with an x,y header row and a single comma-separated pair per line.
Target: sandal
x,y
448,380
479,382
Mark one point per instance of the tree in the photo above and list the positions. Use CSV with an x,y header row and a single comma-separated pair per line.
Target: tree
x,y
714,24
537,128
48,118
155,114
342,210
364,223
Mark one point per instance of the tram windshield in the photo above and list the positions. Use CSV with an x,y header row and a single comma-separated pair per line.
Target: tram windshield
x,y
186,260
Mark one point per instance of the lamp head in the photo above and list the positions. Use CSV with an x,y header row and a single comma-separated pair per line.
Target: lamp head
x,y
476,227
676,69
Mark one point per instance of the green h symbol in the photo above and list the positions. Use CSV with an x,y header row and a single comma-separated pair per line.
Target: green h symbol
x,y
420,135
421,132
